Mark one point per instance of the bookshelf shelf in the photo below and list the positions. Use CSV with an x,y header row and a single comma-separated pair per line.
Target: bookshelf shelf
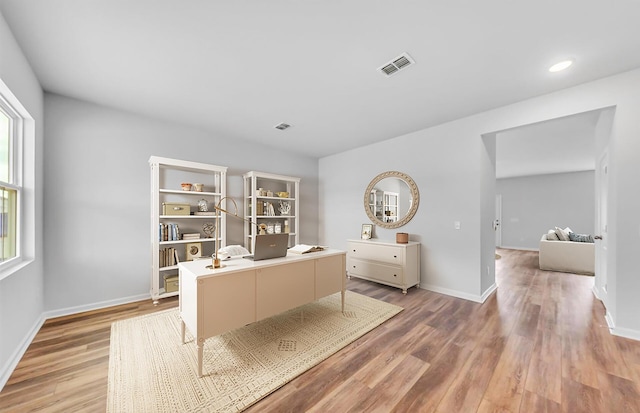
x,y
185,241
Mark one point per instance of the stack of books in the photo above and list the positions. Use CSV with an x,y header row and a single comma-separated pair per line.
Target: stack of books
x,y
195,235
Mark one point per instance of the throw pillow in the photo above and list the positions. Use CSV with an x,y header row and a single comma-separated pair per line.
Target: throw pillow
x,y
580,237
552,236
562,234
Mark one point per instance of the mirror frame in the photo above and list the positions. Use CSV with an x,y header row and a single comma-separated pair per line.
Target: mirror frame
x,y
415,195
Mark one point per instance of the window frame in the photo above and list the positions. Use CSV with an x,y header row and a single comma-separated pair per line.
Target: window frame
x,y
11,107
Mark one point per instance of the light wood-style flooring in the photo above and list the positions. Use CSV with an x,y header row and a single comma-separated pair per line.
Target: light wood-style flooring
x,y
538,344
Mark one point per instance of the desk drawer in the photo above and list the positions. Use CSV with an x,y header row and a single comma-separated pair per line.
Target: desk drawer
x,y
392,274
383,253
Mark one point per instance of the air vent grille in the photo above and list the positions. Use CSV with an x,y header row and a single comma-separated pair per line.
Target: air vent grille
x,y
282,126
389,69
400,62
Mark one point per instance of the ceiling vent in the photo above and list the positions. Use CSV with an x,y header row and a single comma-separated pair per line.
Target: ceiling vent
x,y
282,126
394,66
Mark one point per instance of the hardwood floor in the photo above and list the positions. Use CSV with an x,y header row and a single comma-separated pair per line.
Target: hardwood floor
x,y
538,344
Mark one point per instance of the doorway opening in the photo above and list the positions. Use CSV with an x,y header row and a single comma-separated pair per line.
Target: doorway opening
x,y
549,174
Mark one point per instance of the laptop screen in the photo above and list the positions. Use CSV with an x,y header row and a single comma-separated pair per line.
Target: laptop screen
x,y
270,246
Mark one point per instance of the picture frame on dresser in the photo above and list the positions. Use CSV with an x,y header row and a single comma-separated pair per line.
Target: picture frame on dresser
x,y
367,231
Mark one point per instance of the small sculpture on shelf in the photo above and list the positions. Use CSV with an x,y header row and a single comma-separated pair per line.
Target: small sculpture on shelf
x,y
269,211
284,208
202,205
209,229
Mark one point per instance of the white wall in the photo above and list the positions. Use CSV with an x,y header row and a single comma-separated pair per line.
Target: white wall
x,y
97,196
451,167
531,205
21,293
443,162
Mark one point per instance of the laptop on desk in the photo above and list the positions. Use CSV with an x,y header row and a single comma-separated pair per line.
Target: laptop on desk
x,y
269,246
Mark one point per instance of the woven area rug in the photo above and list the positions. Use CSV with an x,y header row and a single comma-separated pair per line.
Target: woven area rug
x,y
150,370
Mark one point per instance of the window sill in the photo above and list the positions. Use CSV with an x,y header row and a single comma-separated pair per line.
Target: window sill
x,y
13,267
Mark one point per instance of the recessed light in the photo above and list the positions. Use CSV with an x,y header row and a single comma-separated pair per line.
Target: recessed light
x,y
561,65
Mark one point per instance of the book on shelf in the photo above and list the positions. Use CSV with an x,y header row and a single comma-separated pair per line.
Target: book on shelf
x,y
191,236
304,248
168,232
168,257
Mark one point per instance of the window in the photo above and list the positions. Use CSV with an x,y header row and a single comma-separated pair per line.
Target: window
x,y
10,184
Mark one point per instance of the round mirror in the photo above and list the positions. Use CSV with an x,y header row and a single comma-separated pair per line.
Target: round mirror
x,y
391,199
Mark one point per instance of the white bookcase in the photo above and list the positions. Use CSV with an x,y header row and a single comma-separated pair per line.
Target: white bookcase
x,y
266,207
167,196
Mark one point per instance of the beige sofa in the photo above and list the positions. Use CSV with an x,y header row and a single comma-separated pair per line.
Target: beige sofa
x,y
567,256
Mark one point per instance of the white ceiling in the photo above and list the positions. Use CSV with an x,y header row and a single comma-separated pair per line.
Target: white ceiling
x,y
555,146
238,68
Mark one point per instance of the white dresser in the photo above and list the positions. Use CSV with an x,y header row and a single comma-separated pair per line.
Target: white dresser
x,y
385,262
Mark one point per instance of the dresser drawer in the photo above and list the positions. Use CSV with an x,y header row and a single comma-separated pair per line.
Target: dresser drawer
x,y
392,274
382,253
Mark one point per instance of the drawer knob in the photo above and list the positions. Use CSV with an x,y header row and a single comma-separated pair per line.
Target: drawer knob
x,y
395,256
395,275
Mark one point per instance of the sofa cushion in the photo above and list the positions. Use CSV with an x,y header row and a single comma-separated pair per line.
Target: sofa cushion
x,y
580,237
563,234
552,236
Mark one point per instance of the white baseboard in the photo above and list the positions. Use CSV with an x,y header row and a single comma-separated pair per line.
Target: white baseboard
x,y
94,306
596,292
609,320
453,293
621,332
489,291
626,333
518,248
616,331
15,358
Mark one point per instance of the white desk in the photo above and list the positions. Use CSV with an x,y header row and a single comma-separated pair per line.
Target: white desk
x,y
245,291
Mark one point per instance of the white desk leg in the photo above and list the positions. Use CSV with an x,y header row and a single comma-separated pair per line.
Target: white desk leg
x,y
182,330
342,293
200,347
